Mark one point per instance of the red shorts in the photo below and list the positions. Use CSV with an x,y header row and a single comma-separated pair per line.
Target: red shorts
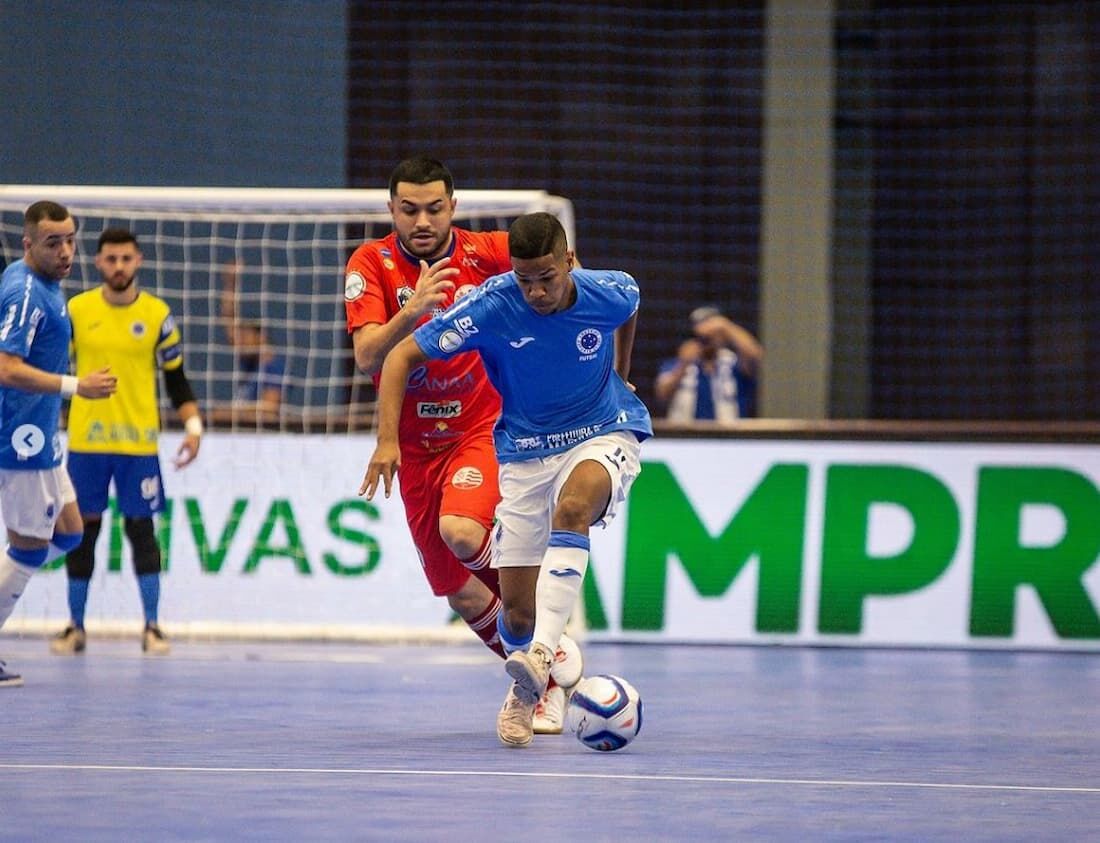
x,y
461,480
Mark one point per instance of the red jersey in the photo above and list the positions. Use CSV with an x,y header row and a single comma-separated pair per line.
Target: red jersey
x,y
444,398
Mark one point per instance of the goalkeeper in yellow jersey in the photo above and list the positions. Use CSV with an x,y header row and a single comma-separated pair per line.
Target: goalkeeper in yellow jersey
x,y
120,326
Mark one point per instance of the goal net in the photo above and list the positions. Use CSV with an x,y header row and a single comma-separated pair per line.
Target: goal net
x,y
285,250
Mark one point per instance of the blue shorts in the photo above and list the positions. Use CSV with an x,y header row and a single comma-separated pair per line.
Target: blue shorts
x,y
138,485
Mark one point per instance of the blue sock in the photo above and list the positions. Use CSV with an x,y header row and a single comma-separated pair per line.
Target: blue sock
x,y
78,599
508,641
149,585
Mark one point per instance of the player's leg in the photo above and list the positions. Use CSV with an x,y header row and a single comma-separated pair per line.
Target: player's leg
x,y
34,504
593,482
79,566
90,476
521,533
469,492
479,607
422,492
140,496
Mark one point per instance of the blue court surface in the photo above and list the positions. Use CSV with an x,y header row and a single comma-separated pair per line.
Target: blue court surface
x,y
247,741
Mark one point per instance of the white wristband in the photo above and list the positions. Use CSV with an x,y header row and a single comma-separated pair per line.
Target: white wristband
x,y
193,426
69,384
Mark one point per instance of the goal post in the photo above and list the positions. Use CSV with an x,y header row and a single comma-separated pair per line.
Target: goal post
x,y
290,247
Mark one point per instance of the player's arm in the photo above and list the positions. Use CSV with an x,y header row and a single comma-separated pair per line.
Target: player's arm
x,y
406,355
624,346
373,341
183,400
17,373
227,302
723,331
668,380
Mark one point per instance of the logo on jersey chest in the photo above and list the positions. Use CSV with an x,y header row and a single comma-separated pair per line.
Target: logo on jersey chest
x,y
588,343
438,409
471,257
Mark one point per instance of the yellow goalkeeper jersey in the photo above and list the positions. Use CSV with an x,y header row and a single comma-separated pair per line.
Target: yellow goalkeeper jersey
x,y
134,340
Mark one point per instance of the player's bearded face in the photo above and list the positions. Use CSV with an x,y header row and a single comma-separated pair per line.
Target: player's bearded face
x,y
118,265
422,216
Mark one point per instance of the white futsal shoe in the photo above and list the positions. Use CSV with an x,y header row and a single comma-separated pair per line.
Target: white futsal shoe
x,y
550,711
514,722
531,671
568,666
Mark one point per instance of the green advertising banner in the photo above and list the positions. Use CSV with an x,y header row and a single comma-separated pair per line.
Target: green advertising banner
x,y
855,543
798,542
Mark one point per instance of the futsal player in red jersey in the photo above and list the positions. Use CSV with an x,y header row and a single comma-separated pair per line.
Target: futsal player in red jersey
x,y
448,465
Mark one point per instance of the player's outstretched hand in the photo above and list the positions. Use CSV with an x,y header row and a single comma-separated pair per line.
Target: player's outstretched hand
x,y
383,464
99,384
188,450
432,286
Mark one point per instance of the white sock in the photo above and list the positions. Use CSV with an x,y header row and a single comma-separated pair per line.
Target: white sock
x,y
13,579
556,594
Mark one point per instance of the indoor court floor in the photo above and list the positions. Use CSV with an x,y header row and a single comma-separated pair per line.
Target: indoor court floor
x,y
287,741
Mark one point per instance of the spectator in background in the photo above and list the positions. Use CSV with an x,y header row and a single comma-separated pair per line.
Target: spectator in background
x,y
713,376
260,371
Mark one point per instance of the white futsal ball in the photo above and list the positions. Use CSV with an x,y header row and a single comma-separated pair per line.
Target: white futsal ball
x,y
604,712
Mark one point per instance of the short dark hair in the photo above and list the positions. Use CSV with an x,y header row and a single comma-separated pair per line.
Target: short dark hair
x,y
117,235
420,170
535,235
44,210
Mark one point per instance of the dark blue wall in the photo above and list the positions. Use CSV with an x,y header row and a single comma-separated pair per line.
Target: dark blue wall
x,y
203,92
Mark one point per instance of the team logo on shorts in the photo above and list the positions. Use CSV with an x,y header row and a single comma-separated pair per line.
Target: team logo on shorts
x,y
354,286
150,488
467,477
588,343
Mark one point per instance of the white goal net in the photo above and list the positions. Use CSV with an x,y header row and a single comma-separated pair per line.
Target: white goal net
x,y
286,249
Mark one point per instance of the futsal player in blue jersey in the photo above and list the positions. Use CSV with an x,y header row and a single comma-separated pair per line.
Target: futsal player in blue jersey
x,y
556,342
36,495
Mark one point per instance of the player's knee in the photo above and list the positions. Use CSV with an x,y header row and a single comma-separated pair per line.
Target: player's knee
x,y
143,543
80,561
66,542
463,536
573,513
519,621
472,599
28,557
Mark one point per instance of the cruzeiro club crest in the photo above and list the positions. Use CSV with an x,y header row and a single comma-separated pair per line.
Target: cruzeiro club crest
x,y
588,342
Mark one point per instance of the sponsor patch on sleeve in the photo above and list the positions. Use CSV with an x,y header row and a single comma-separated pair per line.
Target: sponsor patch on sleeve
x,y
354,286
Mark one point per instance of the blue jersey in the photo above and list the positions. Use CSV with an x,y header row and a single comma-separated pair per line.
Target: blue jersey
x,y
555,373
34,326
